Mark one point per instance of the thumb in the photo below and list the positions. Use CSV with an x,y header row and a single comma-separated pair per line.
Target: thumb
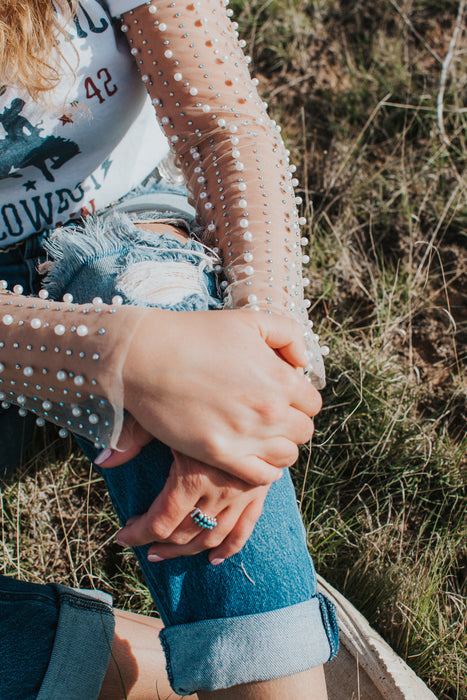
x,y
130,443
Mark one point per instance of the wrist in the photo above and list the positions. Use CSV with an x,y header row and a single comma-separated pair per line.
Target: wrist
x,y
147,346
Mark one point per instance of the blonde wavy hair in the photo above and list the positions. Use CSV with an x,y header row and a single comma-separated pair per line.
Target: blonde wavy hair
x,y
29,43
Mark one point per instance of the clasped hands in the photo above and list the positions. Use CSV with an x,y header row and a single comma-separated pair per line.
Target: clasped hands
x,y
224,390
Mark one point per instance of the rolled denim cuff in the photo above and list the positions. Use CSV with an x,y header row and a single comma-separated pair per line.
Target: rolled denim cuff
x,y
213,654
82,646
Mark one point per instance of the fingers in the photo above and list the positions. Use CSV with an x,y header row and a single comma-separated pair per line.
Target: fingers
x,y
283,452
305,397
298,428
284,334
192,539
256,471
166,513
168,524
225,540
292,388
276,453
239,535
130,443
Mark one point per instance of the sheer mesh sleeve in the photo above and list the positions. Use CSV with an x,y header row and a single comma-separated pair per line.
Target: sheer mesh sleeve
x,y
63,362
235,164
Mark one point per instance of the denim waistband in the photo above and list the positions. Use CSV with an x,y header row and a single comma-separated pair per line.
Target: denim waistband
x,y
29,248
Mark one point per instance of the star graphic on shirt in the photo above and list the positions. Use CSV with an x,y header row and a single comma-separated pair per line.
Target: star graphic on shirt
x,y
30,185
65,119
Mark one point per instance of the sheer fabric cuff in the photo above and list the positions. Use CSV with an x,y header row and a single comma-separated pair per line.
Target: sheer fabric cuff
x,y
63,361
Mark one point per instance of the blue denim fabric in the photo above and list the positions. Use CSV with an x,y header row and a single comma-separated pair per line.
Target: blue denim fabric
x,y
19,266
255,617
95,257
258,615
82,645
47,633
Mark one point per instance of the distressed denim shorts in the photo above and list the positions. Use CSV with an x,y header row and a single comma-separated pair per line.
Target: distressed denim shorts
x,y
257,616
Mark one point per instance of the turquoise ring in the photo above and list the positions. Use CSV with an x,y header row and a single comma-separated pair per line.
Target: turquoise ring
x,y
203,520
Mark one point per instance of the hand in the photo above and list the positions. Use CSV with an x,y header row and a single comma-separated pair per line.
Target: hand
x,y
236,505
212,386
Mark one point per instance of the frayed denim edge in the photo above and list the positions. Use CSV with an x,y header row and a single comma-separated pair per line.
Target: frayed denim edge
x,y
73,246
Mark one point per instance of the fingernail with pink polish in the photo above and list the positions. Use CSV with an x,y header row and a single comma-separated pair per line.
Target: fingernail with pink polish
x,y
216,562
121,542
120,537
103,456
155,558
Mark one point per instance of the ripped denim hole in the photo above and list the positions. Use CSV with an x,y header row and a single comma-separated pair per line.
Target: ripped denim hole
x,y
151,217
162,282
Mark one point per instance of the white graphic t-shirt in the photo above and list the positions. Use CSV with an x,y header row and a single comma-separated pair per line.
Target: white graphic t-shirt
x,y
97,140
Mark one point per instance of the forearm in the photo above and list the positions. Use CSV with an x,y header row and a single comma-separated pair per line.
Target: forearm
x,y
63,362
236,167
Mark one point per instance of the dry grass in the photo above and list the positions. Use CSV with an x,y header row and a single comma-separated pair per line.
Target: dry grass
x,y
358,88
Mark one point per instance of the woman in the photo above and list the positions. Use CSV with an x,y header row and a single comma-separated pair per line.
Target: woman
x,y
215,403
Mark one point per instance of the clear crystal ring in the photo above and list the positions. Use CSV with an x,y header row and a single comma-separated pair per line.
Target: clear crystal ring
x,y
203,520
